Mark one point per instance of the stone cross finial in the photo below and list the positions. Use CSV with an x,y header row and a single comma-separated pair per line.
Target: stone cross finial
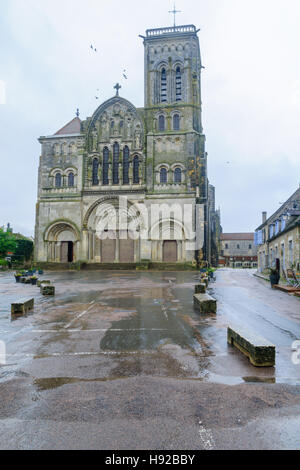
x,y
77,112
174,11
117,87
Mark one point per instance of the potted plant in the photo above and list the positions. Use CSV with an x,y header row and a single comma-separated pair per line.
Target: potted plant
x,y
33,280
18,277
274,276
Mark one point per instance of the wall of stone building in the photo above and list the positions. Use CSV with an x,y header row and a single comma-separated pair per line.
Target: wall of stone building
x,y
279,248
244,249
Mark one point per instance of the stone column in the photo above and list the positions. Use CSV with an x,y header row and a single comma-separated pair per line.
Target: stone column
x,y
117,258
84,245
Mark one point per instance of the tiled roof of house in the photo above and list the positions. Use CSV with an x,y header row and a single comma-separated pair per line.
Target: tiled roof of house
x,y
237,236
73,127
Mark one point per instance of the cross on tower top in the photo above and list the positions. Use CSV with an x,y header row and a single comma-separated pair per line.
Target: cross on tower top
x,y
174,11
117,87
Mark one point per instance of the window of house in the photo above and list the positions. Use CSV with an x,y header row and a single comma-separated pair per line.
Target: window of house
x,y
176,122
238,247
116,156
163,176
105,179
95,171
178,84
226,246
126,165
178,175
58,180
136,170
161,123
71,180
163,86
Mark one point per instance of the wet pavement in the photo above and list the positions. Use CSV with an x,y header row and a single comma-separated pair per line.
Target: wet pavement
x,y
120,360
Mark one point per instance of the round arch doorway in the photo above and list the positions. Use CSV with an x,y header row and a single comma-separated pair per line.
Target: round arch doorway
x,y
62,243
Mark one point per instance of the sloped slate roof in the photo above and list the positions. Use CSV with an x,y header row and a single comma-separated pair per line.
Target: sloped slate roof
x,y
237,236
73,127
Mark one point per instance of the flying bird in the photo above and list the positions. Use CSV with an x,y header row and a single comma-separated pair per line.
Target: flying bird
x,y
124,74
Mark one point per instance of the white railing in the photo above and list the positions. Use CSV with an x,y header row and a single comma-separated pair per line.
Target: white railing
x,y
173,29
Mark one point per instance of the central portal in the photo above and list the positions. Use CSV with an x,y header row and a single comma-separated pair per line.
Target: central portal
x,y
170,254
116,249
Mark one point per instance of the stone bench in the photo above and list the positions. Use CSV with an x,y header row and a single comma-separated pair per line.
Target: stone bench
x,y
200,289
260,351
204,303
39,283
46,289
22,306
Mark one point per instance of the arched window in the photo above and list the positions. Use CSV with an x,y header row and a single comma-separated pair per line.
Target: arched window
x,y
95,172
71,180
178,84
163,176
161,123
126,165
116,156
105,167
176,122
178,175
58,180
136,170
163,86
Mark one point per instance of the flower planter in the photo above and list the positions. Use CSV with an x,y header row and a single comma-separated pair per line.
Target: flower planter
x,y
34,281
274,279
18,278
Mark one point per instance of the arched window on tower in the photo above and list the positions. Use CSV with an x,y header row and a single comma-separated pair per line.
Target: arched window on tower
x,y
161,123
163,86
163,176
116,156
71,180
178,175
126,165
58,180
105,168
176,122
95,172
178,84
136,170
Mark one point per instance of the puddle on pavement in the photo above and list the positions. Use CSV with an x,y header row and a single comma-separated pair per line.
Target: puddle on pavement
x,y
56,382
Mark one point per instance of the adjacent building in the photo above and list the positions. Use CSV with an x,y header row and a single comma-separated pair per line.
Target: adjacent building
x,y
238,250
130,184
278,237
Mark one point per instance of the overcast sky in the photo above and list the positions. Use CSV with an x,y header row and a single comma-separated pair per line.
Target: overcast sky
x,y
250,89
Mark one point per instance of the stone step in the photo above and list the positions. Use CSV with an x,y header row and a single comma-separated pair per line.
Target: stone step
x,y
200,289
21,307
260,351
204,303
47,289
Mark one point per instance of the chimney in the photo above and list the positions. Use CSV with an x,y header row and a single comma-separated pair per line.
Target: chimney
x,y
264,217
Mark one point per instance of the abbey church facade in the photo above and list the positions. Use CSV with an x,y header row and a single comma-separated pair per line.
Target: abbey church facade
x,y
130,184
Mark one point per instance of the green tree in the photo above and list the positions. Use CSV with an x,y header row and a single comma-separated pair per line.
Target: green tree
x,y
24,248
7,243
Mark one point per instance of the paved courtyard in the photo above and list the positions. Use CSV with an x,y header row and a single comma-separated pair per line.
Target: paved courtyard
x,y
120,360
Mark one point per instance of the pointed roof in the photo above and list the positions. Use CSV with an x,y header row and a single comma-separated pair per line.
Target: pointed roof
x,y
73,127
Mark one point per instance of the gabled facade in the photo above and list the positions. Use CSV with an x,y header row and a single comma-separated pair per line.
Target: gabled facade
x,y
130,184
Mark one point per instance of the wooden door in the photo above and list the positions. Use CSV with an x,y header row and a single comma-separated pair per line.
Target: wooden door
x,y
64,252
127,251
108,251
170,252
